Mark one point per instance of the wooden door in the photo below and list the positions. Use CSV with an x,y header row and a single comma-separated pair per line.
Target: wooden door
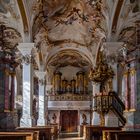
x,y
69,120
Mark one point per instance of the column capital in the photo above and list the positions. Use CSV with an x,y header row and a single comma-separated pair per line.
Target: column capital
x,y
40,74
113,47
94,83
25,48
48,87
113,44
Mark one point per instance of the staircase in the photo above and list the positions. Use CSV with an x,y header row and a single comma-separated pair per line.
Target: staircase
x,y
103,103
117,106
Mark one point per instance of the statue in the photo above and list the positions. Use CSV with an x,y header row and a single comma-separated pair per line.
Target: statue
x,y
54,118
84,117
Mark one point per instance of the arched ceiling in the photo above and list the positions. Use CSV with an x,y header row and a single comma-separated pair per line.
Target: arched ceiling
x,y
79,24
69,58
73,23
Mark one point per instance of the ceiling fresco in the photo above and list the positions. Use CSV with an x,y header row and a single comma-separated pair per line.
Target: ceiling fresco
x,y
80,25
71,20
69,58
74,23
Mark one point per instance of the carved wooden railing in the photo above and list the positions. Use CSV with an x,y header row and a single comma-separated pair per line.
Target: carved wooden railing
x,y
117,106
105,102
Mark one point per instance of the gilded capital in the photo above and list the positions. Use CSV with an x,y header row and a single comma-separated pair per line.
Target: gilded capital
x,y
132,72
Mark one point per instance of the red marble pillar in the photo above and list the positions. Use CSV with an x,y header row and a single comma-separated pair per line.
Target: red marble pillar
x,y
6,88
126,82
133,91
12,91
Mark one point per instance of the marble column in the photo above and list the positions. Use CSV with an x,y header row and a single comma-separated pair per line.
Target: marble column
x,y
15,89
126,91
48,91
123,88
6,94
12,91
114,87
42,119
132,115
133,89
96,118
26,119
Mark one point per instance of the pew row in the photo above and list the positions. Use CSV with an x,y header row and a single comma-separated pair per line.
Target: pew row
x,y
19,135
121,135
45,132
93,132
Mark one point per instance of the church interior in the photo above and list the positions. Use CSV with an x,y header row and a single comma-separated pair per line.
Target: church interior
x,y
69,69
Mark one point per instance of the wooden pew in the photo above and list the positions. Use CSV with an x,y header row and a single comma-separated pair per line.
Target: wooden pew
x,y
55,131
19,135
121,135
93,132
82,130
45,132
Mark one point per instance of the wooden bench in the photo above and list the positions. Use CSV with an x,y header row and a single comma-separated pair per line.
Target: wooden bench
x,y
55,130
45,132
19,135
121,135
93,132
82,130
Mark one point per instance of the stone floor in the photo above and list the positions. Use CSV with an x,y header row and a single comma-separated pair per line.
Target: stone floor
x,y
70,136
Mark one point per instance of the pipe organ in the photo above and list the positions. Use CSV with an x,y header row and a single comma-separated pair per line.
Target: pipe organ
x,y
57,82
77,85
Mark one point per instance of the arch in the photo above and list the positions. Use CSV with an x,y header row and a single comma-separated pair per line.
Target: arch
x,y
82,51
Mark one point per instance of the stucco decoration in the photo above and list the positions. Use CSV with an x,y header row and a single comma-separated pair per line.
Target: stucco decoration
x,y
80,18
128,35
10,38
10,17
6,9
73,23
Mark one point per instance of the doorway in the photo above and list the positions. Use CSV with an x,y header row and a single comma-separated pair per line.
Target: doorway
x,y
69,120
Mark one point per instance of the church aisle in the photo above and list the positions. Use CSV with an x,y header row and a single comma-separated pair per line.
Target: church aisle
x,y
70,136
74,138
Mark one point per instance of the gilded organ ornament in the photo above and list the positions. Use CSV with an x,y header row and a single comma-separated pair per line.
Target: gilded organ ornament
x,y
77,85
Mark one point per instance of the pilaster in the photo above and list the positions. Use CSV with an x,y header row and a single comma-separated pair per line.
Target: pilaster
x,y
95,118
26,119
42,119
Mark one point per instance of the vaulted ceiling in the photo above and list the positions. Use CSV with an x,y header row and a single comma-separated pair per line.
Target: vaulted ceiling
x,y
71,32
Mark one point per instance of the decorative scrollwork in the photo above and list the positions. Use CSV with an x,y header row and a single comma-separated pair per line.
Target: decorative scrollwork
x,y
41,82
27,59
102,71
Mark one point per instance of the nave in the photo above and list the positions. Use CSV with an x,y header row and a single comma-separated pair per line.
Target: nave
x,y
69,66
70,136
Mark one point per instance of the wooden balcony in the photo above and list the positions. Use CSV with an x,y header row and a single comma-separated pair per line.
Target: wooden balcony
x,y
69,97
